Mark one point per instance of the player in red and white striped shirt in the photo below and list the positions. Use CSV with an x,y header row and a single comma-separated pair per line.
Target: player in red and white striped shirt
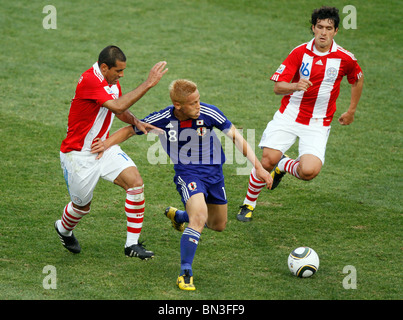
x,y
97,100
309,78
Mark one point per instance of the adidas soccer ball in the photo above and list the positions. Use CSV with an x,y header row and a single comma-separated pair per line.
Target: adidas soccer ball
x,y
303,262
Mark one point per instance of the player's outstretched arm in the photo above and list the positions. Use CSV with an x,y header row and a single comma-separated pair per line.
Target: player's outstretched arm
x,y
145,127
118,106
244,147
119,136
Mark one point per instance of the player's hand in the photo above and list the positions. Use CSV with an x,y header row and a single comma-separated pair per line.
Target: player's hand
x,y
346,118
146,128
156,73
98,147
303,85
263,175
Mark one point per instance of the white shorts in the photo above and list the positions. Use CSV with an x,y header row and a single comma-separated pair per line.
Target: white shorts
x,y
282,132
82,172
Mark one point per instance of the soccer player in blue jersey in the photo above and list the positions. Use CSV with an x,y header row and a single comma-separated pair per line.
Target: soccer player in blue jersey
x,y
197,154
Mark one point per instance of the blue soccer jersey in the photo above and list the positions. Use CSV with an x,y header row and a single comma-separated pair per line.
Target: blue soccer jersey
x,y
192,145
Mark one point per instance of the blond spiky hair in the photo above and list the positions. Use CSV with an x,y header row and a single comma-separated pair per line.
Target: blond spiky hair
x,y
180,89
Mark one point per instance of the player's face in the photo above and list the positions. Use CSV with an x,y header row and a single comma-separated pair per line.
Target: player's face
x,y
112,75
190,109
324,33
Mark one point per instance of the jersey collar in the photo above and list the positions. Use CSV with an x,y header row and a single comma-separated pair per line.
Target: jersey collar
x,y
97,72
311,43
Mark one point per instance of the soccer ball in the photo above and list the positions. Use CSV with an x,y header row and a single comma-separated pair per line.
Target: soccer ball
x,y
303,262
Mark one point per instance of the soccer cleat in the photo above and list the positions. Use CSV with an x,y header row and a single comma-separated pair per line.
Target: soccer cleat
x,y
185,282
245,213
277,175
138,250
69,242
170,214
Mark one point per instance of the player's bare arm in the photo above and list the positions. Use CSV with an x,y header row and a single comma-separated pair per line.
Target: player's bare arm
x,y
285,88
119,136
356,89
244,147
118,106
130,118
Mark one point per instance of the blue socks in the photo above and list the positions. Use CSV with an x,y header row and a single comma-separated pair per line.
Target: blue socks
x,y
188,244
181,216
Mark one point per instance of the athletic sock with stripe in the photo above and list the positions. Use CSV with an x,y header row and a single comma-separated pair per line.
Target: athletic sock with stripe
x,y
134,208
189,241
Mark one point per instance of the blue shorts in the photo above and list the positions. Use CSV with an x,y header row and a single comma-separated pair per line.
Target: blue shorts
x,y
188,186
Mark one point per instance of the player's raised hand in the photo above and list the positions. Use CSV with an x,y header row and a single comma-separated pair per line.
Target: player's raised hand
x,y
156,73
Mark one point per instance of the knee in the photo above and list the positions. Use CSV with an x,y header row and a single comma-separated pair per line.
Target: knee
x,y
218,226
197,221
309,167
308,173
129,178
270,158
137,181
134,179
268,163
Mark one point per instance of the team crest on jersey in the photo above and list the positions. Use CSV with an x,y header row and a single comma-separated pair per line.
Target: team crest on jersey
x,y
192,186
201,131
331,73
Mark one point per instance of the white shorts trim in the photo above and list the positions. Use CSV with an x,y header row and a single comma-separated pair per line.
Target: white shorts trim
x,y
82,171
282,132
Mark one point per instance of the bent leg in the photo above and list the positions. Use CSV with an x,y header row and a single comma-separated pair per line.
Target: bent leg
x,y
129,178
197,210
309,167
270,157
217,216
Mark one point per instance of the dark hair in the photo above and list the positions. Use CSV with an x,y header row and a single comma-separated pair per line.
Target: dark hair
x,y
109,55
324,12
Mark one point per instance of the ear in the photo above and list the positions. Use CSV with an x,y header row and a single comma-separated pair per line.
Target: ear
x,y
177,105
103,67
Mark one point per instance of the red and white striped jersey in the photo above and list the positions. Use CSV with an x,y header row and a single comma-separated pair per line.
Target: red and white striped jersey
x,y
325,71
88,119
